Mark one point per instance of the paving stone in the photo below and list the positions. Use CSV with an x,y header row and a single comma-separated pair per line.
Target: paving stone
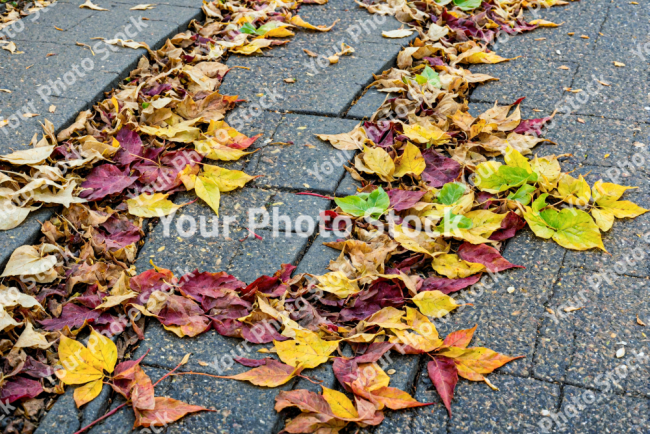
x,y
584,411
580,17
606,316
626,31
309,163
516,407
264,257
318,256
41,26
290,212
625,98
60,418
193,247
97,407
538,80
348,186
253,123
367,105
433,419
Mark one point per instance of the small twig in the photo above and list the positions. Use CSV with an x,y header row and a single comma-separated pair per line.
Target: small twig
x,y
309,193
110,413
168,374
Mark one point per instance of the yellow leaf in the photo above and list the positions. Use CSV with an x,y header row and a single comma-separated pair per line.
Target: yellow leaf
x,y
513,158
378,162
608,192
451,266
183,132
410,162
87,392
279,32
103,349
297,21
388,318
420,242
372,377
307,349
208,190
434,303
421,323
431,135
605,212
151,205
338,284
544,23
215,151
226,180
340,404
482,57
574,191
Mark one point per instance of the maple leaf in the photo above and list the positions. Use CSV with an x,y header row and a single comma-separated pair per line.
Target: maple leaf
x,y
106,180
86,366
271,374
307,349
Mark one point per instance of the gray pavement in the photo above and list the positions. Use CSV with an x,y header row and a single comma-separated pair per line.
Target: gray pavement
x,y
570,380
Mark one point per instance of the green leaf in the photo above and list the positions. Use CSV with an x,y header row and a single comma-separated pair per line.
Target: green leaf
x,y
267,27
429,76
493,177
145,105
451,221
571,228
467,5
524,195
248,28
540,203
364,204
451,193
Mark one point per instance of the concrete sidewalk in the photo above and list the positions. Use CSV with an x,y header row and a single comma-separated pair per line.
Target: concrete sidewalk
x,y
570,380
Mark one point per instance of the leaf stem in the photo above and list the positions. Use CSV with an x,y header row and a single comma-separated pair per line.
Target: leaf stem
x,y
110,413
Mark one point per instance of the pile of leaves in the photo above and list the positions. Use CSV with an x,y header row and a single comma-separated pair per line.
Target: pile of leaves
x,y
424,163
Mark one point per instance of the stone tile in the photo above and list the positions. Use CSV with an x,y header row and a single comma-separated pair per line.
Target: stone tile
x,y
606,316
264,257
348,186
252,123
538,80
432,419
516,407
192,247
367,105
62,417
584,411
309,163
625,98
582,18
290,212
41,26
626,31
318,256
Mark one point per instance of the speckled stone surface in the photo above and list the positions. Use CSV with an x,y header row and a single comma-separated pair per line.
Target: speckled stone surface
x,y
318,256
538,80
348,185
366,106
309,163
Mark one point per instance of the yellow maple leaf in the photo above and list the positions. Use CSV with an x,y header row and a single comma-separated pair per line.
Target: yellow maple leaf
x,y
410,162
307,349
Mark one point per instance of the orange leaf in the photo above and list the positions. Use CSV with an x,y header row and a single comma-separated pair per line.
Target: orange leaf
x,y
460,338
272,374
165,411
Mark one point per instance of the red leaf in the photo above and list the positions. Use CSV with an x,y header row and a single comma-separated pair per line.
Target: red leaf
x,y
72,316
509,227
444,376
402,199
251,363
106,180
261,333
439,169
460,338
205,287
130,147
374,352
142,393
150,281
19,388
166,410
486,255
447,286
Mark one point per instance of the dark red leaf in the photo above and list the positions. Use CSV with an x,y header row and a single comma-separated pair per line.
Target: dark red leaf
x,y
444,376
106,180
374,352
439,169
251,363
261,333
402,199
130,147
447,286
532,126
150,281
72,316
509,227
486,255
18,388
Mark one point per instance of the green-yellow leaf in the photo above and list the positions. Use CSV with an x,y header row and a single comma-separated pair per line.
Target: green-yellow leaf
x,y
226,180
451,266
208,190
434,303
151,205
